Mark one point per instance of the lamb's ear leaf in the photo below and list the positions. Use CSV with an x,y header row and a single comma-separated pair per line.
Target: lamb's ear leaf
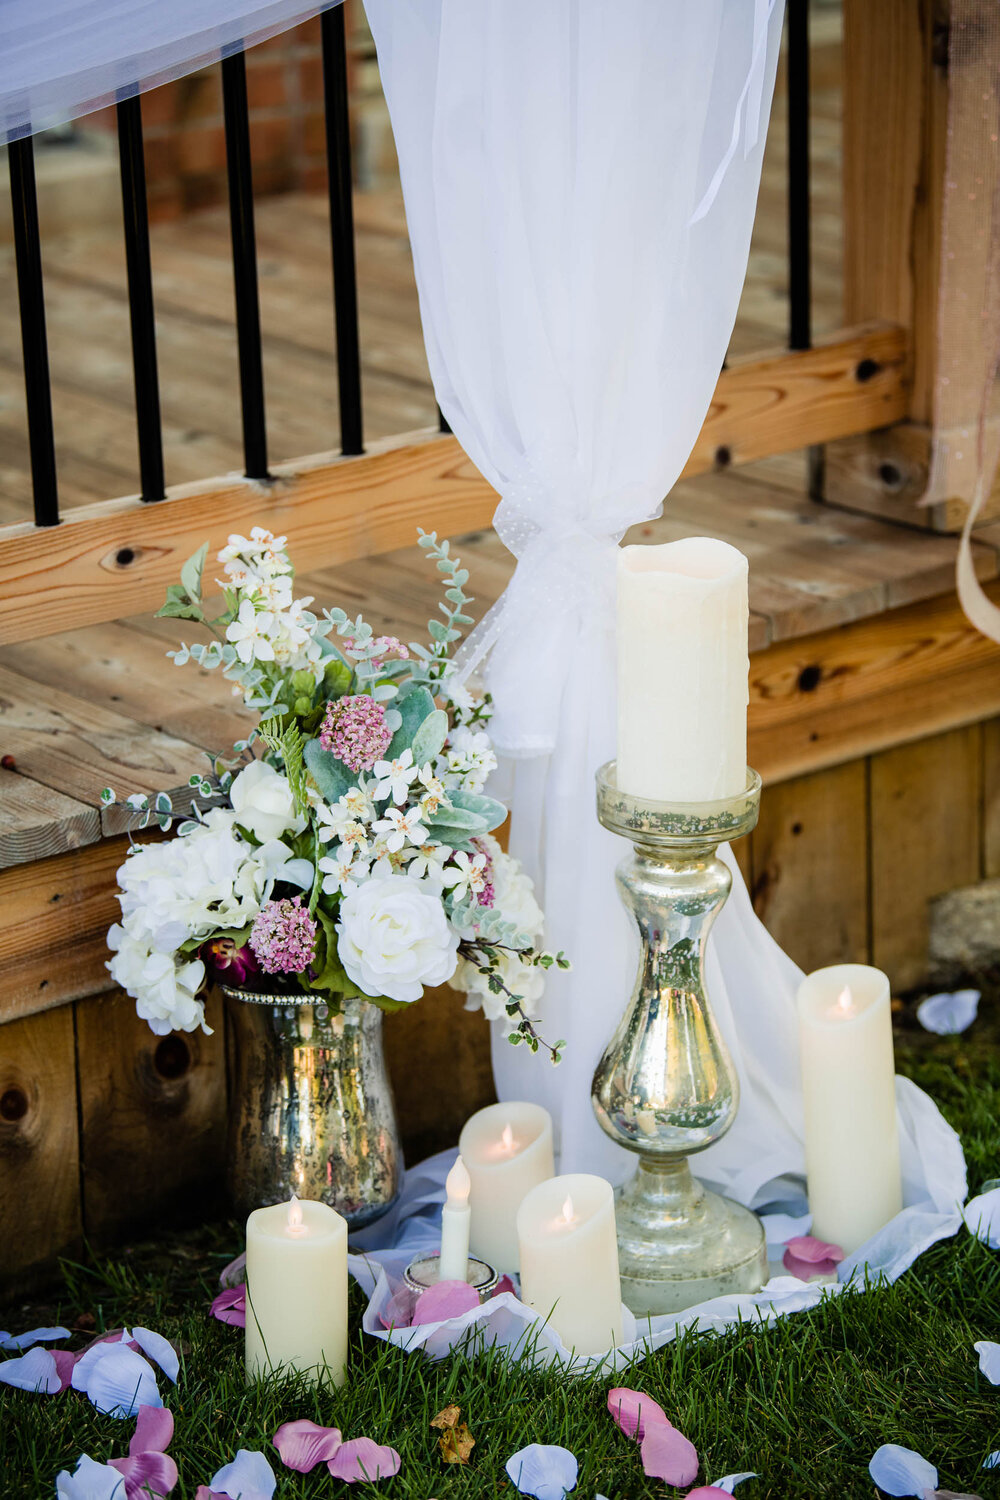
x,y
458,818
414,709
430,737
330,774
489,808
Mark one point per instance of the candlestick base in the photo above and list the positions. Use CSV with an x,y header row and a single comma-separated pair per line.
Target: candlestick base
x,y
423,1272
666,1086
679,1244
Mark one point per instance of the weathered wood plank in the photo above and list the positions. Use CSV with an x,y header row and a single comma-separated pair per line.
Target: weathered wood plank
x,y
56,915
885,681
810,866
78,747
39,1144
438,1038
925,840
37,820
152,1118
116,557
991,798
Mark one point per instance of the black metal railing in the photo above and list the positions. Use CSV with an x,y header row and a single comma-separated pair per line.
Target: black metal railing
x,y
345,296
27,244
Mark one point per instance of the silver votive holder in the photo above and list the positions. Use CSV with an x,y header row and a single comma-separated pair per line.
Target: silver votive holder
x,y
423,1272
666,1086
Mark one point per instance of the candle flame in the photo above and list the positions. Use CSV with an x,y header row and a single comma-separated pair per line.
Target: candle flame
x,y
567,1211
507,1138
295,1225
845,1001
458,1183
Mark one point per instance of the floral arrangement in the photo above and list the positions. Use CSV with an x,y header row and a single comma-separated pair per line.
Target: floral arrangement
x,y
354,855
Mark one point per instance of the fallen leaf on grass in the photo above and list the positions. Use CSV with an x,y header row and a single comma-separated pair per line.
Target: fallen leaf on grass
x,y
447,1417
456,1444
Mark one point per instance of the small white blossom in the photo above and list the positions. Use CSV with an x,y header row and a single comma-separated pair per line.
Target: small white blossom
x,y
469,758
401,828
394,778
342,872
248,633
465,876
433,797
427,863
355,808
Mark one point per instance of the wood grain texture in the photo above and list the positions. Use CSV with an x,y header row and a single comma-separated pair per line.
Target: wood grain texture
x,y
885,474
438,1040
116,558
925,840
37,820
844,693
39,1147
53,937
810,878
153,1113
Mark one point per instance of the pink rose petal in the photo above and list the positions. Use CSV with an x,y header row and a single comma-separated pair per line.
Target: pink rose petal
x,y
235,1274
806,1270
64,1367
230,1307
806,1247
667,1454
362,1460
632,1411
154,1430
303,1445
147,1474
446,1299
505,1284
708,1492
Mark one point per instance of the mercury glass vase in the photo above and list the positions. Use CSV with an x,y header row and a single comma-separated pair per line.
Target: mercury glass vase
x,y
311,1105
666,1086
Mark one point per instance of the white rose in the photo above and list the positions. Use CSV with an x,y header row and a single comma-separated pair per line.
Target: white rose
x,y
394,938
165,993
263,802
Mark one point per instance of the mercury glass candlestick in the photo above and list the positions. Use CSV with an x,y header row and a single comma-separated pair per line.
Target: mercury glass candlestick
x,y
666,1086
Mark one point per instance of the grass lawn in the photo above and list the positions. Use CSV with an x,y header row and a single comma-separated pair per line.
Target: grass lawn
x,y
805,1403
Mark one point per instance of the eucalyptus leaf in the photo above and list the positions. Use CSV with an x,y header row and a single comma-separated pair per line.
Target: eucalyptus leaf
x,y
430,737
330,774
413,710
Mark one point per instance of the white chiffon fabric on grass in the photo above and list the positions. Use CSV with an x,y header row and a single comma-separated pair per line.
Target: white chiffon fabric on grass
x,y
580,183
63,58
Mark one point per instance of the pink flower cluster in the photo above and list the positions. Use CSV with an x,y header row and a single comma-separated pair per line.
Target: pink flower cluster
x,y
355,730
283,936
487,896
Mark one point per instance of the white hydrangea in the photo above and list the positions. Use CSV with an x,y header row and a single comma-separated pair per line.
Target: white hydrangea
x,y
522,979
166,993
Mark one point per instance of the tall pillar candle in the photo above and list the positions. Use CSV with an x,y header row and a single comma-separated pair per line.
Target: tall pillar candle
x,y
569,1260
683,668
507,1149
849,1098
297,1291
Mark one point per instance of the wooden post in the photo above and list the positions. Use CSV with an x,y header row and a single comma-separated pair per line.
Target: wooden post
x,y
895,112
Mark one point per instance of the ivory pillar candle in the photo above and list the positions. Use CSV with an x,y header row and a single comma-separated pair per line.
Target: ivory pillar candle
x,y
849,1096
507,1149
569,1260
297,1290
683,669
455,1223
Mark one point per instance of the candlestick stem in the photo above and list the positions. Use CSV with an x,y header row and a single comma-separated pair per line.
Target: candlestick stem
x,y
666,1086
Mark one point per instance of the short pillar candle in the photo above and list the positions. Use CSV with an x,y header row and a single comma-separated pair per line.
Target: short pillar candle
x,y
297,1291
849,1100
507,1149
569,1260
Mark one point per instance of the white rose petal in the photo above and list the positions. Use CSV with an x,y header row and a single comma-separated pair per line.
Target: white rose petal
x,y
263,802
394,938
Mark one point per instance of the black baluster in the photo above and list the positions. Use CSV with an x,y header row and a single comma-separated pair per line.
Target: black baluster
x,y
140,298
345,289
237,118
799,287
27,250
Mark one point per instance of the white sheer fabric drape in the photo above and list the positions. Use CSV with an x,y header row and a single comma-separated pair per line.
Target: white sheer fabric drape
x,y
580,182
62,58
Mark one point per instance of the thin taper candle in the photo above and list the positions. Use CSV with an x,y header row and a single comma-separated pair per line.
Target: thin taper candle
x,y
456,1219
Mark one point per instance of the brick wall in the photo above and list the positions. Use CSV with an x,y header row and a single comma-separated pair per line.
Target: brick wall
x,y
185,139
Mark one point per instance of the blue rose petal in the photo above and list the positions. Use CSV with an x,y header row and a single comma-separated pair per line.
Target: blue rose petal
x,y
900,1471
543,1470
948,1014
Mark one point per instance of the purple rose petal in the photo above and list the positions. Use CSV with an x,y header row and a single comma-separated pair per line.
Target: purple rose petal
x,y
505,1284
147,1474
154,1431
35,1371
543,1470
707,1492
362,1461
65,1365
807,1270
806,1247
303,1445
235,1274
21,1341
667,1454
989,1360
231,1307
398,1311
948,1014
446,1299
900,1471
633,1411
